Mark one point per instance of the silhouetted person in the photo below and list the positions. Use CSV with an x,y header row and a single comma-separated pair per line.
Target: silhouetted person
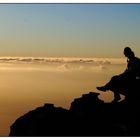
x,y
119,83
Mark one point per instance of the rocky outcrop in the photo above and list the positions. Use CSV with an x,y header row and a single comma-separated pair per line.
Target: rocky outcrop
x,y
87,116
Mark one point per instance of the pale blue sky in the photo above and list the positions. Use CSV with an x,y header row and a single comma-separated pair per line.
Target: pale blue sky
x,y
75,30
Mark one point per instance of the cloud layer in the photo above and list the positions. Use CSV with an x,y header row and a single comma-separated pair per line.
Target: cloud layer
x,y
62,60
59,64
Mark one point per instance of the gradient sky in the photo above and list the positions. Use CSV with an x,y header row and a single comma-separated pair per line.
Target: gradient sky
x,y
74,30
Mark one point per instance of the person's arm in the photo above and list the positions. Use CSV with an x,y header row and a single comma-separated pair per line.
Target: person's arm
x,y
127,69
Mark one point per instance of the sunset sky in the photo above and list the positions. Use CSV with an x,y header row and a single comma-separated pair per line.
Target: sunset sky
x,y
54,53
73,30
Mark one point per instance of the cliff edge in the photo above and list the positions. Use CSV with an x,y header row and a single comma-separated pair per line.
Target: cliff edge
x,y
87,116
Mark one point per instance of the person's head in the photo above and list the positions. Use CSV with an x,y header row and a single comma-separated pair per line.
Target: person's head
x,y
128,52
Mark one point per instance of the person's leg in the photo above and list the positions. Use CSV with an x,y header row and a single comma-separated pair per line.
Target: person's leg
x,y
110,85
117,96
114,85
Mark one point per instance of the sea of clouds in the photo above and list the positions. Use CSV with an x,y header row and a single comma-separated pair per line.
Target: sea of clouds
x,y
59,64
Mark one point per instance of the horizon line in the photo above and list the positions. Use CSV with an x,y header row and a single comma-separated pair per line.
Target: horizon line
x,y
61,57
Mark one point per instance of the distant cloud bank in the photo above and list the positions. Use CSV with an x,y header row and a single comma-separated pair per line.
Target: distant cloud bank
x,y
62,60
59,64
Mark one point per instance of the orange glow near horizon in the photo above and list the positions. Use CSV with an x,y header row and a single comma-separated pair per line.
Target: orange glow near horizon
x,y
29,83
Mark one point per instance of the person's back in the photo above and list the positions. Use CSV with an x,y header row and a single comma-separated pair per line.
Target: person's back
x,y
138,67
133,66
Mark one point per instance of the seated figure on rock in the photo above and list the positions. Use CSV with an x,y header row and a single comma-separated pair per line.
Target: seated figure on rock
x,y
119,83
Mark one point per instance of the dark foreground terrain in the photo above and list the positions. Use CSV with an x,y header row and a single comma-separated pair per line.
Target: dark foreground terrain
x,y
87,116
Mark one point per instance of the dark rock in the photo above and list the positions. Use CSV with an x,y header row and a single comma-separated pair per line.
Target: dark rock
x,y
87,116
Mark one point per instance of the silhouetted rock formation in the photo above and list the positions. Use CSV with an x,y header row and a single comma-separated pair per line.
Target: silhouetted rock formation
x,y
87,116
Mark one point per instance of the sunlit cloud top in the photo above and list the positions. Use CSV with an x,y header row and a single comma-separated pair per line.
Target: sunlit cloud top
x,y
61,60
44,64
